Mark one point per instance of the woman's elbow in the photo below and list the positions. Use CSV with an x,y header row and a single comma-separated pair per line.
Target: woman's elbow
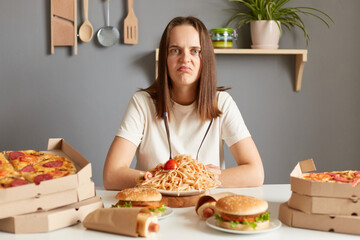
x,y
259,180
258,177
107,182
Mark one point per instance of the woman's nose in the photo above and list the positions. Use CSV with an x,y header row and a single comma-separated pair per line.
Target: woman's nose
x,y
185,56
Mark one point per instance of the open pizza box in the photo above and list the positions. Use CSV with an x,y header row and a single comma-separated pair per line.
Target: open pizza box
x,y
51,220
52,193
322,222
320,189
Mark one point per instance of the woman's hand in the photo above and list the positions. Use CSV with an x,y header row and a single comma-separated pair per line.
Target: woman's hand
x,y
214,169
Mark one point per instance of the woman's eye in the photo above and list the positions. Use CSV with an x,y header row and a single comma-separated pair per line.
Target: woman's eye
x,y
174,50
196,51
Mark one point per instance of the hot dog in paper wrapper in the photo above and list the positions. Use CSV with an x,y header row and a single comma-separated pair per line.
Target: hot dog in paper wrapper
x,y
205,207
124,221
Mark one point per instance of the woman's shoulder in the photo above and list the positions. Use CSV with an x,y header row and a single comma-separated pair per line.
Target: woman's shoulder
x,y
223,97
141,96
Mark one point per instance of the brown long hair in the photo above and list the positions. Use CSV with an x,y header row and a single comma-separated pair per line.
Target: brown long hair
x,y
206,99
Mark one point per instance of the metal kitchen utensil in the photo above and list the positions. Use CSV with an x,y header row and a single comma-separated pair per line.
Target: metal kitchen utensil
x,y
207,130
131,35
167,130
108,35
86,29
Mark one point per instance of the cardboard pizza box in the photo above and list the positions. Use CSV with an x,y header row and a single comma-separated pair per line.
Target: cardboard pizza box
x,y
320,189
51,220
322,222
325,205
76,187
47,201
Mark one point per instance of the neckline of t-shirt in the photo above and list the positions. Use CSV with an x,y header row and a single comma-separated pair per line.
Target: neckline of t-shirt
x,y
183,107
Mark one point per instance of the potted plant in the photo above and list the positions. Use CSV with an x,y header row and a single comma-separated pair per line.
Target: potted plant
x,y
267,16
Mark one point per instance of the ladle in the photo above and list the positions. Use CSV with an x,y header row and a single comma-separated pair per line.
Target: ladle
x,y
108,35
86,29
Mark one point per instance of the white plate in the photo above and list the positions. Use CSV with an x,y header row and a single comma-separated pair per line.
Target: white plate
x,y
212,222
183,193
168,212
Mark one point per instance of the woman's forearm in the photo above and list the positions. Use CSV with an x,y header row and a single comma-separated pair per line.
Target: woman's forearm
x,y
122,178
117,174
246,175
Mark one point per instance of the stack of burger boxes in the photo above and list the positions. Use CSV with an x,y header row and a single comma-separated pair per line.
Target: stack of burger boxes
x,y
325,206
53,204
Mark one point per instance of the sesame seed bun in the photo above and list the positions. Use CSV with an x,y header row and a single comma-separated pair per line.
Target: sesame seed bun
x,y
139,195
241,205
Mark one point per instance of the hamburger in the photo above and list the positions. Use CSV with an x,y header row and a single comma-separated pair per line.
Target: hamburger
x,y
147,198
240,212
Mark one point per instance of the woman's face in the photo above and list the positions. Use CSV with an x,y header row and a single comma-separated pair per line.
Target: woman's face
x,y
184,61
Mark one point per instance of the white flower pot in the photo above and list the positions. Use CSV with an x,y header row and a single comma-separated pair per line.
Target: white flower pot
x,y
265,34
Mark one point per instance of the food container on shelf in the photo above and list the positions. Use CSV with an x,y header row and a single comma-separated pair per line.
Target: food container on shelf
x,y
223,37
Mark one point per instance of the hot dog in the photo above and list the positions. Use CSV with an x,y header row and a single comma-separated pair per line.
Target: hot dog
x,y
146,224
205,206
206,210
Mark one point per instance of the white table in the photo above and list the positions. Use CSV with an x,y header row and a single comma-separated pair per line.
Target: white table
x,y
184,224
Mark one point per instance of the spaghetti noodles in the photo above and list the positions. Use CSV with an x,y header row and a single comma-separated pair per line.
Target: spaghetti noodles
x,y
189,176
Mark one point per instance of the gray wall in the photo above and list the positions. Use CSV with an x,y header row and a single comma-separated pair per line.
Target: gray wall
x,y
82,98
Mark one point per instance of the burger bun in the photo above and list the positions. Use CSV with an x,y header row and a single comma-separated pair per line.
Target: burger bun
x,y
139,195
243,227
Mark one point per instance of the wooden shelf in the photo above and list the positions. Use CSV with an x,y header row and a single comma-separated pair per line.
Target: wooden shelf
x,y
301,58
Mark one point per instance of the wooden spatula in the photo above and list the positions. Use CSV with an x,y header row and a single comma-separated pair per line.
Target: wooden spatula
x,y
131,26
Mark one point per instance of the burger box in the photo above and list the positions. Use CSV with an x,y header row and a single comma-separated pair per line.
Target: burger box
x,y
320,189
51,220
325,205
52,193
323,222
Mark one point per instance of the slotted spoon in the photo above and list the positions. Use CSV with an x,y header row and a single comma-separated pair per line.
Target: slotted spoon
x,y
131,26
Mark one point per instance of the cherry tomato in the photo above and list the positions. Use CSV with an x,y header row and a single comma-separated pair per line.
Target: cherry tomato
x,y
171,164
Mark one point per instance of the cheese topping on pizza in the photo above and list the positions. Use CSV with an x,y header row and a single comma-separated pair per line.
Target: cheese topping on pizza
x,y
32,166
348,176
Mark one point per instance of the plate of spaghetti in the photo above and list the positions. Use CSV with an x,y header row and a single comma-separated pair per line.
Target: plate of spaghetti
x,y
183,193
190,177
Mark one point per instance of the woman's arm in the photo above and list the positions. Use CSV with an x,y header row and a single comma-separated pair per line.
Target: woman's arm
x,y
117,173
250,170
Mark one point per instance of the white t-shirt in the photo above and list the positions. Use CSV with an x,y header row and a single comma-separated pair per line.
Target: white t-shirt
x,y
141,127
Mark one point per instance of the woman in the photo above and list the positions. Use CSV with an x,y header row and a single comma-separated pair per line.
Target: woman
x,y
186,90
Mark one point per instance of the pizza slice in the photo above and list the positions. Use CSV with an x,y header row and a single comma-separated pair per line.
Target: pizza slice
x,y
347,176
51,168
23,160
12,181
6,169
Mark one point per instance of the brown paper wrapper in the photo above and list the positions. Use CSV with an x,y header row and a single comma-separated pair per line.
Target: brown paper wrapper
x,y
114,220
211,197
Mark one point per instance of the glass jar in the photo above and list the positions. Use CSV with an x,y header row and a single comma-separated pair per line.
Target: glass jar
x,y
223,37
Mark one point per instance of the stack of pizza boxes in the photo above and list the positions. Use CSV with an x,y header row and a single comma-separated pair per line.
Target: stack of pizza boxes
x,y
53,204
325,206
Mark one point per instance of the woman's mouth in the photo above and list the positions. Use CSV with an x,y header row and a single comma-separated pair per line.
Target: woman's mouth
x,y
184,69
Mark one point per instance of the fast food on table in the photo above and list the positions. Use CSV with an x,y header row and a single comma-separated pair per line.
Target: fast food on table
x,y
146,224
207,209
240,212
183,174
348,176
125,221
32,166
148,198
205,206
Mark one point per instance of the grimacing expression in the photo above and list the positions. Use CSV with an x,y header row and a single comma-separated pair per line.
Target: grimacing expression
x,y
184,56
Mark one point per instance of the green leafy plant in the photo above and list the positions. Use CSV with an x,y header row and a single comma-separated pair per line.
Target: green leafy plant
x,y
253,10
